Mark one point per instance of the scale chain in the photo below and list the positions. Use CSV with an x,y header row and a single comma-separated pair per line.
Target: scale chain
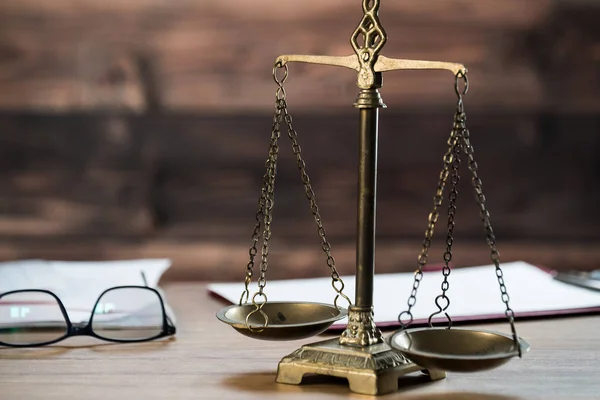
x,y
432,220
459,140
452,196
255,239
269,201
268,182
264,217
484,213
336,280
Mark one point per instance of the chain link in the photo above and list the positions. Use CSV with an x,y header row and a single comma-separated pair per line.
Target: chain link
x,y
484,213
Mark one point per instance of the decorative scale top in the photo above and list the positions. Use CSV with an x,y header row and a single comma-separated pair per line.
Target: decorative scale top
x,y
367,40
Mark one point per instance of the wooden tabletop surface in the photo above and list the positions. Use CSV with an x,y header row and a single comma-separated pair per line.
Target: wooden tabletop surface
x,y
209,360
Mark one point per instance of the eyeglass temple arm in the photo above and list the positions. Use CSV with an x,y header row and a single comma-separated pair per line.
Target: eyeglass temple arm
x,y
144,278
146,284
169,321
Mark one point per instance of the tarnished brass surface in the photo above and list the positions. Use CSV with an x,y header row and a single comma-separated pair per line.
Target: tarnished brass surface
x,y
366,204
287,320
456,349
382,64
372,370
391,64
361,330
336,61
369,98
367,40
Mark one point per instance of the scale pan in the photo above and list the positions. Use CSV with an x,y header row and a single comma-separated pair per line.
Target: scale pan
x,y
455,349
287,320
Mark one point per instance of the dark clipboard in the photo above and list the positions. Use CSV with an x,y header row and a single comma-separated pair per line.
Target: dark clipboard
x,y
586,279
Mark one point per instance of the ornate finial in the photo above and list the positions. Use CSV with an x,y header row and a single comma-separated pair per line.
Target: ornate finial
x,y
368,40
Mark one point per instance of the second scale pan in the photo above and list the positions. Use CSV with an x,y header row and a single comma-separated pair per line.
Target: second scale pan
x,y
456,349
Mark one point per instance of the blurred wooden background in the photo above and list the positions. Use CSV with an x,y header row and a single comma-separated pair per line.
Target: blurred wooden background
x,y
140,129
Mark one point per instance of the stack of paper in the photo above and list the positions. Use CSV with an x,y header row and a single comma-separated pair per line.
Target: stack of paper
x,y
474,294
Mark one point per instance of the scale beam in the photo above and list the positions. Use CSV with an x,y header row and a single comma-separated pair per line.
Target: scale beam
x,y
383,64
391,64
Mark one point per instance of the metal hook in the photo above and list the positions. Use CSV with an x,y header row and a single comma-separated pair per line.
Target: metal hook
x,y
441,310
244,297
404,325
279,65
258,308
461,75
515,337
342,295
339,292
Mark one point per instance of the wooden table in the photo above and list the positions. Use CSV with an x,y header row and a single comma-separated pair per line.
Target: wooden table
x,y
209,360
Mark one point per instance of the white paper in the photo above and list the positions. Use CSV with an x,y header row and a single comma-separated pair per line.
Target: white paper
x,y
79,284
474,293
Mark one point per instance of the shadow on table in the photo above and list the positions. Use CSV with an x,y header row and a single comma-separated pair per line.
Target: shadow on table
x,y
264,382
71,344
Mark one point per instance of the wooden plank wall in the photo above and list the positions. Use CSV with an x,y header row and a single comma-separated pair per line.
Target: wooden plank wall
x,y
139,129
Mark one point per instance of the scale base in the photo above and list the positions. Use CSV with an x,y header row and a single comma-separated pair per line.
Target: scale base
x,y
372,370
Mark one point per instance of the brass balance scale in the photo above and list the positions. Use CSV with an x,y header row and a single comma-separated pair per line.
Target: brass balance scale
x,y
371,363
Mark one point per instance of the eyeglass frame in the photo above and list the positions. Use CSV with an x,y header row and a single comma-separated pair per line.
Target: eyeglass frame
x,y
168,328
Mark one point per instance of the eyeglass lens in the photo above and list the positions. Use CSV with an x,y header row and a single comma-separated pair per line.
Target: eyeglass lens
x,y
128,314
30,318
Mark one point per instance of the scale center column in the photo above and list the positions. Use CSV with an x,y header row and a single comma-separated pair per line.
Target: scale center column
x,y
361,329
360,354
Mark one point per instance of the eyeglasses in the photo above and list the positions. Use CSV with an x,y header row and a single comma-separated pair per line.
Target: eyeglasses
x,y
122,314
